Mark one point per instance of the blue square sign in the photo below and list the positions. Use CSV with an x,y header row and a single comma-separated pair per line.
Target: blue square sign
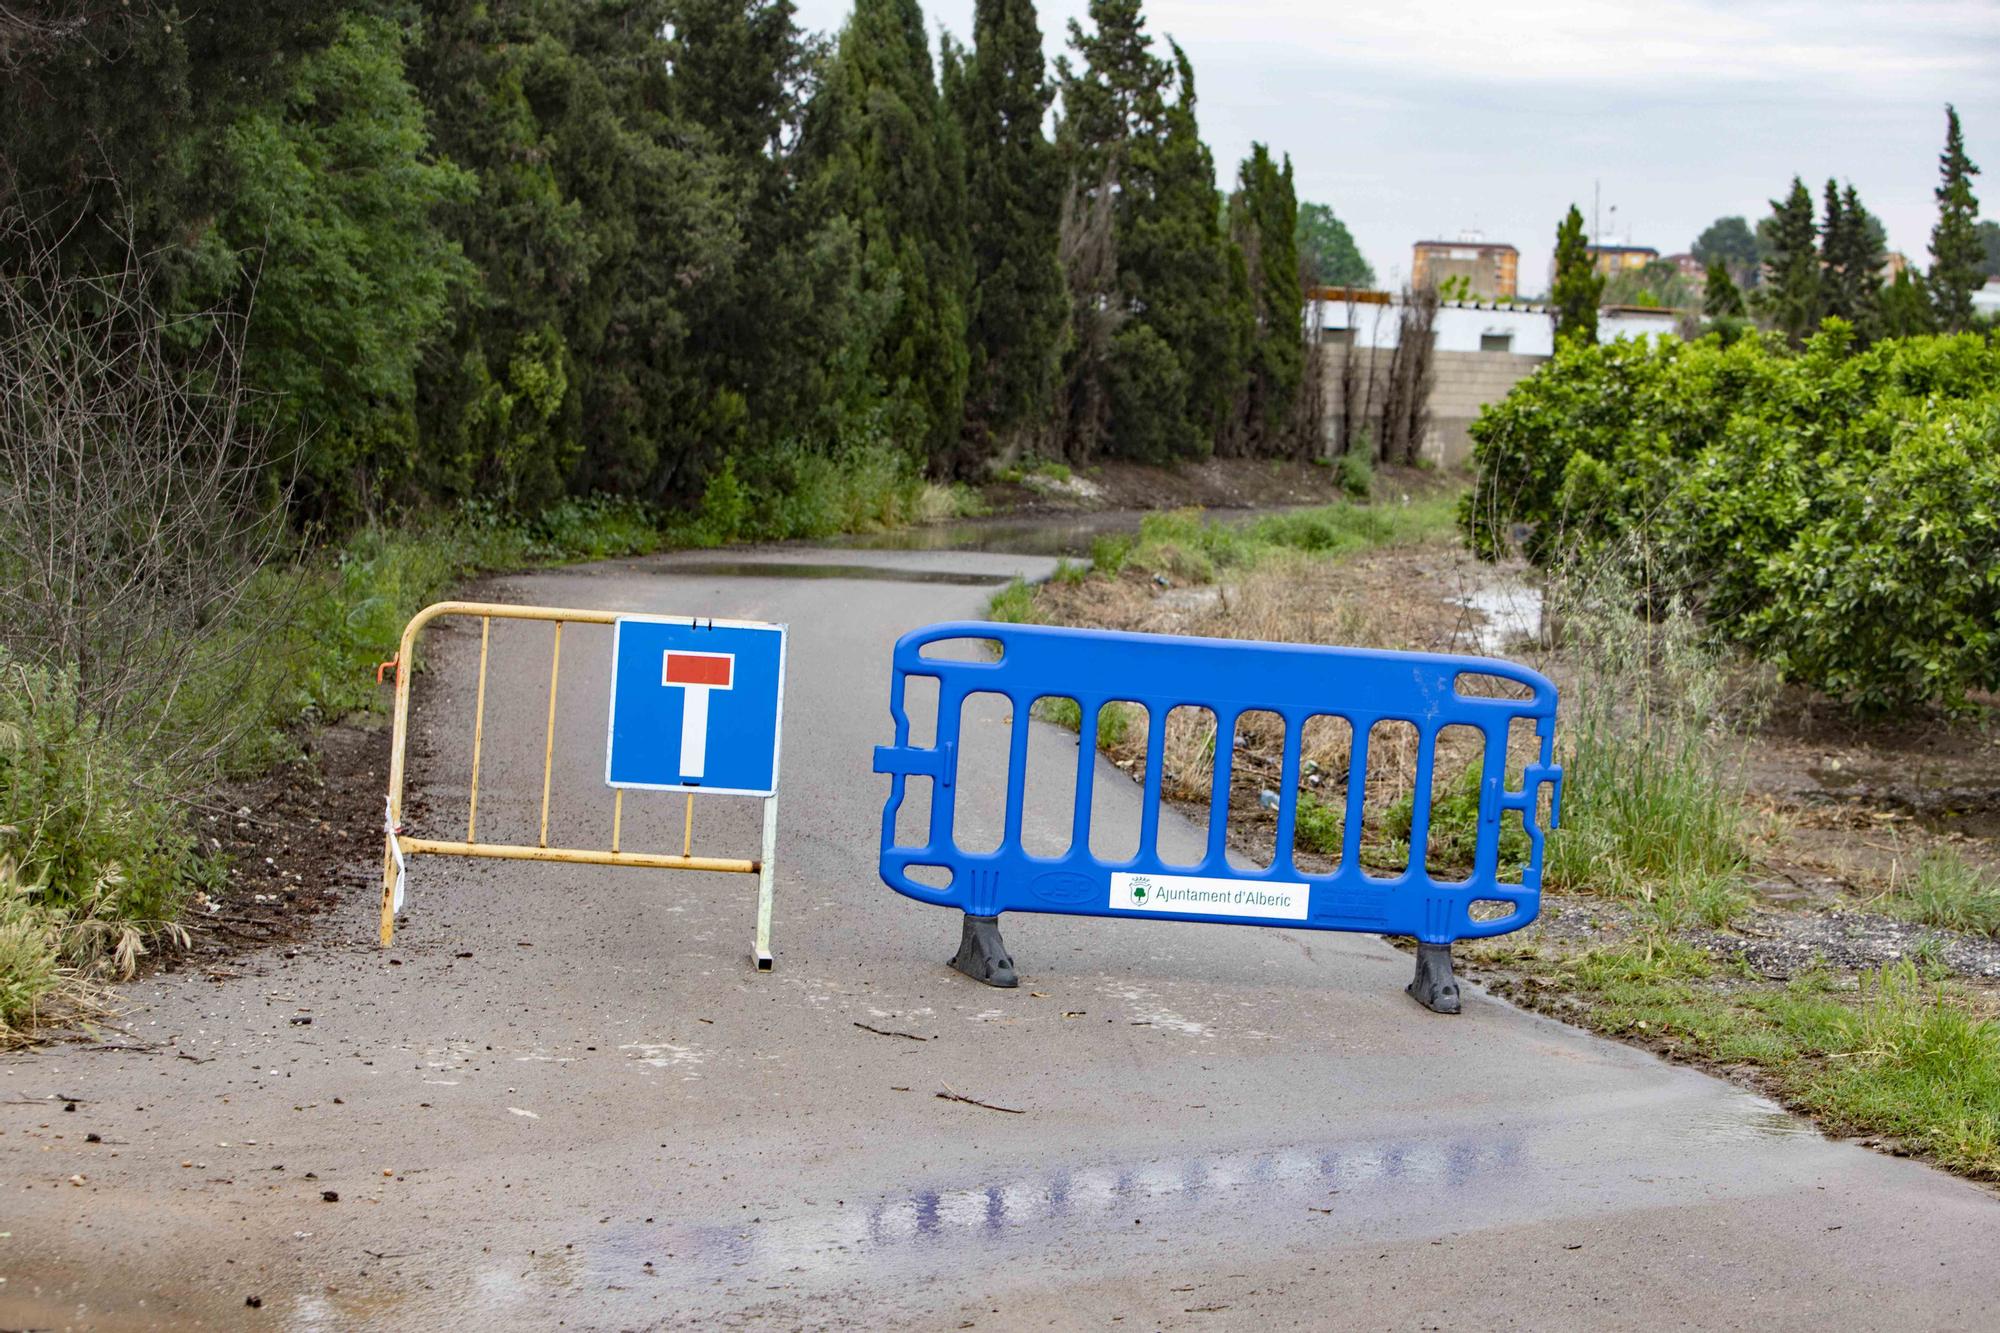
x,y
696,705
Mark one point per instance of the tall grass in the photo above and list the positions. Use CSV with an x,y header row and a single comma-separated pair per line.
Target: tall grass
x,y
1949,892
1652,806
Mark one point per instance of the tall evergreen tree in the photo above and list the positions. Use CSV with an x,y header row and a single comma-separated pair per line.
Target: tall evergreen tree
x,y
1956,250
1111,97
1851,261
759,384
1905,307
1721,298
1790,296
886,158
601,229
1015,312
1577,285
1263,222
1180,291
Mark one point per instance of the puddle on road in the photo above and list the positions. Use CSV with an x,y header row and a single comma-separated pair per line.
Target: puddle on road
x,y
1282,1183
774,569
1749,1120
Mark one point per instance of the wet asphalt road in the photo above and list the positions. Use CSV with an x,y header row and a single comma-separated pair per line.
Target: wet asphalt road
x,y
565,1097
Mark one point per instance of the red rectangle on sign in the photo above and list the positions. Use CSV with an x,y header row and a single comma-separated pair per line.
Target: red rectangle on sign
x,y
698,669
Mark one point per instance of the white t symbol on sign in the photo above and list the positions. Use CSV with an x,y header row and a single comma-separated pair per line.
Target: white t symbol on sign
x,y
696,674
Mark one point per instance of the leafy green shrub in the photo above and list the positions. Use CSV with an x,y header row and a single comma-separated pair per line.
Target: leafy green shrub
x,y
81,830
1836,511
30,966
1356,474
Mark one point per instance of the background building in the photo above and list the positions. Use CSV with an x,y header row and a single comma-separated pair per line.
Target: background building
x,y
1480,350
1490,269
1615,259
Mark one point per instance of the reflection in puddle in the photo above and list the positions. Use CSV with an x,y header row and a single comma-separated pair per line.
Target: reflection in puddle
x,y
1282,1181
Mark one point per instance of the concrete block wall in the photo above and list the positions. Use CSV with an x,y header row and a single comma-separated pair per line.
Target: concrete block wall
x,y
1461,384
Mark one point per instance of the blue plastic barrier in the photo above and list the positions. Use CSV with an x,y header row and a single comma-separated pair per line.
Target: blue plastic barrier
x,y
1228,677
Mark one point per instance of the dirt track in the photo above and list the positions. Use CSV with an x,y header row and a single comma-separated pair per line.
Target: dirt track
x,y
564,1095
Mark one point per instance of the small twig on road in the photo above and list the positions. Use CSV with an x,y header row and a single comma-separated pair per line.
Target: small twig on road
x,y
884,1032
136,1048
950,1096
196,1059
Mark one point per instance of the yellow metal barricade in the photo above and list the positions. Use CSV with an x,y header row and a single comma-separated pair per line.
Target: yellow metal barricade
x,y
398,845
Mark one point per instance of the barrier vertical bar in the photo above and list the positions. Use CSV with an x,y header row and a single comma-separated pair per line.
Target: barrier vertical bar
x,y
1017,770
1090,711
478,731
1358,728
1420,800
618,817
762,947
1492,780
549,744
1156,747
1282,857
1221,774
687,830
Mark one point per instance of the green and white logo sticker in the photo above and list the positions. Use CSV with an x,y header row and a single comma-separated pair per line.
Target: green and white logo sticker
x,y
1202,896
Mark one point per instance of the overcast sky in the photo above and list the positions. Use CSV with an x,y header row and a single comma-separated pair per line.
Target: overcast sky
x,y
1418,119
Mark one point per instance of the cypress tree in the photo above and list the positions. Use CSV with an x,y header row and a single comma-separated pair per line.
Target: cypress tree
x,y
1013,200
1721,298
758,383
1111,98
1956,250
886,159
1577,286
1906,307
1263,223
1181,293
1790,297
1190,279
1851,263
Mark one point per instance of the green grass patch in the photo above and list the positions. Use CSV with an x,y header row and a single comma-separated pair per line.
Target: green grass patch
x,y
1317,826
1896,1052
1186,545
1948,892
1013,604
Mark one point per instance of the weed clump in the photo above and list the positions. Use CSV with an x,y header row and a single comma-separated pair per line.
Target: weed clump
x,y
1948,892
1652,811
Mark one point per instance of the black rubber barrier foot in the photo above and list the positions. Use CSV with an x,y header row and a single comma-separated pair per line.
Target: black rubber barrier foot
x,y
1434,987
982,954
